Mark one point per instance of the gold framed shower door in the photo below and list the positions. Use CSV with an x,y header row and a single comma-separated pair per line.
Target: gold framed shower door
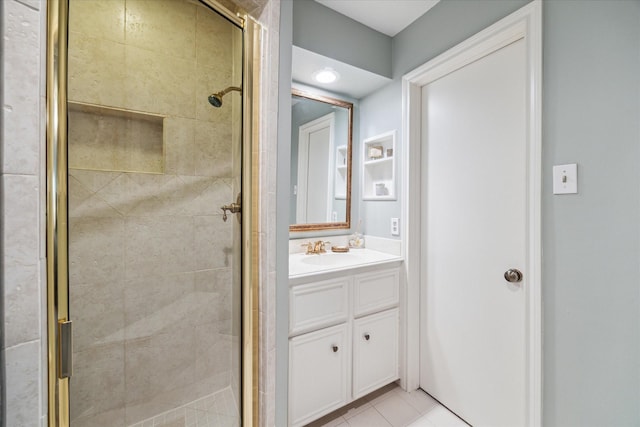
x,y
58,320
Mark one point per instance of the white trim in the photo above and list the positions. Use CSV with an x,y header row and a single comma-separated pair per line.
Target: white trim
x,y
303,165
526,23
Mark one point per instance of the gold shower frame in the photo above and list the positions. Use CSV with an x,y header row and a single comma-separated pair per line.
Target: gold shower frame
x,y
58,321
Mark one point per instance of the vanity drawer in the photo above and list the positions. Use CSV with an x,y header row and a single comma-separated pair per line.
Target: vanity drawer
x,y
319,304
375,291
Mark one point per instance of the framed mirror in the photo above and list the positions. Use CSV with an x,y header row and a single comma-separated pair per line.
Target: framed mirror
x,y
321,133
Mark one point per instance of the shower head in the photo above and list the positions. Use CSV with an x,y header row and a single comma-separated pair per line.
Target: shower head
x,y
215,99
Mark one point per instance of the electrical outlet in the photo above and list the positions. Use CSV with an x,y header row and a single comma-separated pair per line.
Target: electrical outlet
x,y
395,227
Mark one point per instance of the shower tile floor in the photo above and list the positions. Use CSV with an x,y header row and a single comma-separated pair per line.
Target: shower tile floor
x,y
215,410
392,407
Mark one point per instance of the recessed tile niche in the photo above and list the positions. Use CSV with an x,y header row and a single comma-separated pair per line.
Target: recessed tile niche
x,y
111,139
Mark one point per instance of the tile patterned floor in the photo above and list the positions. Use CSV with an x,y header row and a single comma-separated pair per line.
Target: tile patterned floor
x,y
215,410
392,407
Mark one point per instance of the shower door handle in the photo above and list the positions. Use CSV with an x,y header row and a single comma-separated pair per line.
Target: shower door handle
x,y
235,208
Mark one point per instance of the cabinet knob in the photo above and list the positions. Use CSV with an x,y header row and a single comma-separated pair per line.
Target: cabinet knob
x,y
367,336
334,348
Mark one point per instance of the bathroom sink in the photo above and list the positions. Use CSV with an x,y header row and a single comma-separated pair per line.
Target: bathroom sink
x,y
301,264
330,259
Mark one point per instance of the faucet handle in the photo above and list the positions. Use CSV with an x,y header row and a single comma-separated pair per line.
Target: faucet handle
x,y
309,247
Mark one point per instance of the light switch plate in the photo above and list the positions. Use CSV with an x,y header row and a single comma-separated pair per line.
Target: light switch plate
x,y
565,179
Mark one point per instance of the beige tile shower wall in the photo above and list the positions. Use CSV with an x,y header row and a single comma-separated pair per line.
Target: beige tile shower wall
x,y
151,258
22,264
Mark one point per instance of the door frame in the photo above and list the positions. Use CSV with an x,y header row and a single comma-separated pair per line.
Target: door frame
x,y
304,132
525,23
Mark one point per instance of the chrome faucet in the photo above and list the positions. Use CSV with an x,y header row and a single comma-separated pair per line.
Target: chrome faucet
x,y
316,248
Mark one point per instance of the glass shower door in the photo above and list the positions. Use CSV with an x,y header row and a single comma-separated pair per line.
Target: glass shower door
x,y
154,270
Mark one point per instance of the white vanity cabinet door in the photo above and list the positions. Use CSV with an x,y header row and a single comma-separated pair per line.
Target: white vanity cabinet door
x,y
375,291
318,304
375,351
319,373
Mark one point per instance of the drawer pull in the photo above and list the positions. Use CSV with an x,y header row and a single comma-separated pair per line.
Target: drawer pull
x,y
334,348
367,337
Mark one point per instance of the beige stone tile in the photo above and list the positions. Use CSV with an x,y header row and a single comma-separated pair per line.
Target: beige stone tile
x,y
93,180
21,304
77,192
151,197
21,382
212,198
84,203
21,88
154,304
213,303
96,250
155,368
213,38
124,193
93,207
213,148
159,83
166,401
19,272
98,313
96,71
98,382
159,245
179,143
164,26
212,350
111,418
184,195
213,242
98,18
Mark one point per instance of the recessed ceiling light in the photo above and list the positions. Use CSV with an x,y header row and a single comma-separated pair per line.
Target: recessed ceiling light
x,y
326,75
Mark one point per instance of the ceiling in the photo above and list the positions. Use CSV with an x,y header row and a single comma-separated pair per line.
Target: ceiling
x,y
386,16
353,82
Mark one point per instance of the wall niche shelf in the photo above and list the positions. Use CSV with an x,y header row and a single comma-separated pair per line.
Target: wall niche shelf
x,y
114,139
378,167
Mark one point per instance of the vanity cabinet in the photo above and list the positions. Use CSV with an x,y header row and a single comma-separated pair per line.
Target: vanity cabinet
x,y
343,340
319,365
375,352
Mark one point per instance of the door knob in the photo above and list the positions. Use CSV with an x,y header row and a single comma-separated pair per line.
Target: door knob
x,y
513,275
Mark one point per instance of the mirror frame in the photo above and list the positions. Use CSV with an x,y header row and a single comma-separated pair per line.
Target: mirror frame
x,y
331,225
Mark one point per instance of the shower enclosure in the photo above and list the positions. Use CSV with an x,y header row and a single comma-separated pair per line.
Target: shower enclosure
x,y
155,265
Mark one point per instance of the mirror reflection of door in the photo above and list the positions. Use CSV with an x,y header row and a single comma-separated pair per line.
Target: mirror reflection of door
x,y
315,163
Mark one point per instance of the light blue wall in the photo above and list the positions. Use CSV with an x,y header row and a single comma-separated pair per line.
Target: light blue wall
x,y
327,32
282,212
591,241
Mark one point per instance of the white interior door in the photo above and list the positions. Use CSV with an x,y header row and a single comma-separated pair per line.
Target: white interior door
x,y
473,345
315,166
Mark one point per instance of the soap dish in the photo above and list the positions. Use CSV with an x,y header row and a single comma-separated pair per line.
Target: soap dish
x,y
339,248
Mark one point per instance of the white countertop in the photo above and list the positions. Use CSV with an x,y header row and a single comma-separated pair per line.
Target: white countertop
x,y
301,265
